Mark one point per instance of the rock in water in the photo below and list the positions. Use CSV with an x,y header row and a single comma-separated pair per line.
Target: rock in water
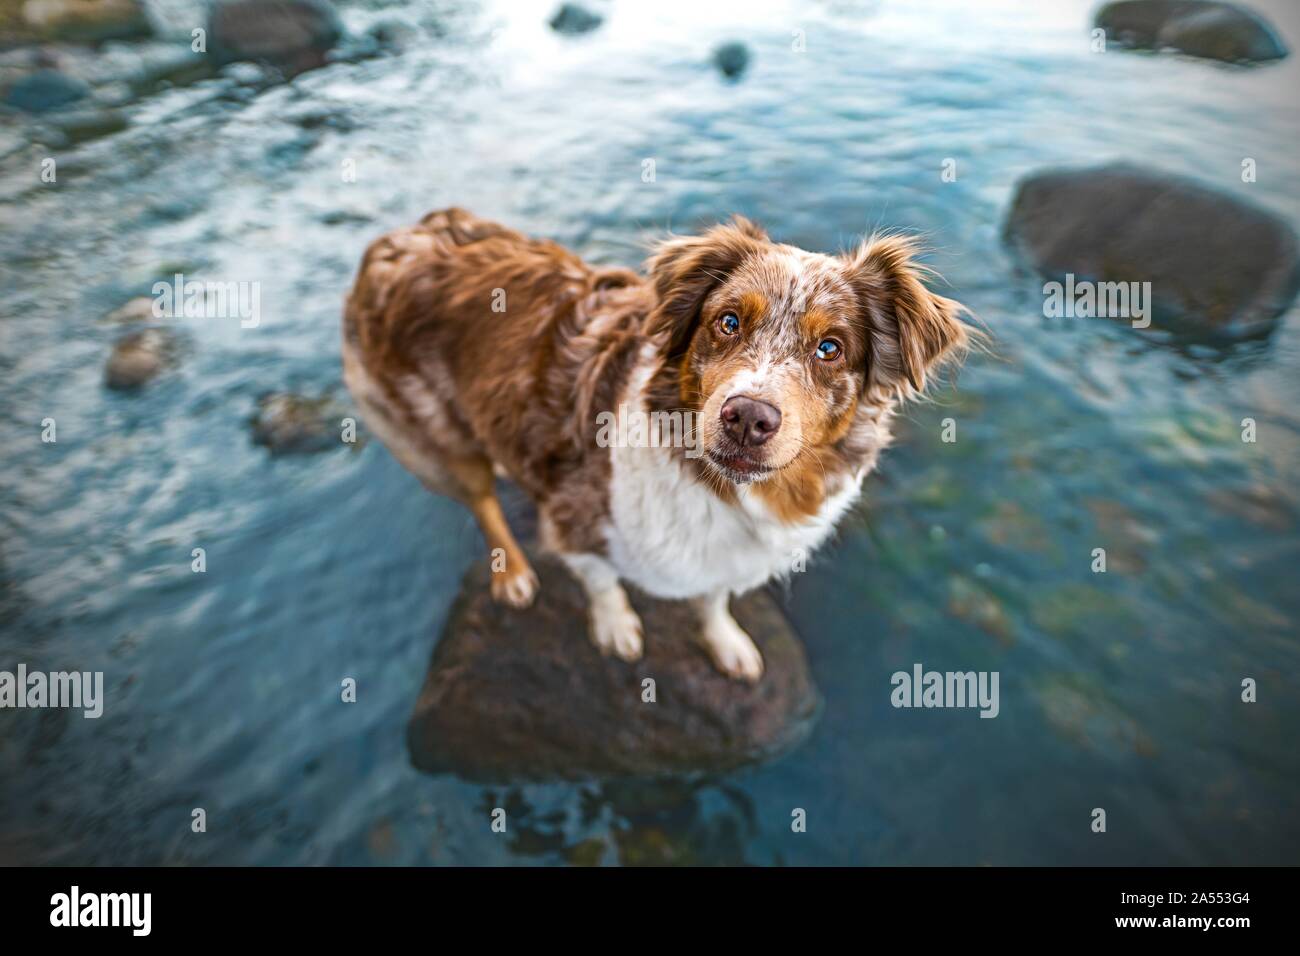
x,y
138,358
731,59
139,309
45,90
82,125
573,19
524,695
292,35
1214,263
83,21
289,424
1224,33
1204,28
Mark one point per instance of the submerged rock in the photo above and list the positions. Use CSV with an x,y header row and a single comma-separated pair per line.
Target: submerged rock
x,y
1214,263
292,35
1218,31
45,90
525,695
81,125
289,424
138,358
573,19
393,34
731,59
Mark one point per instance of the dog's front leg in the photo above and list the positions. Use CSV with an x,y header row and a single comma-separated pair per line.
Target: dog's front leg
x,y
615,627
732,650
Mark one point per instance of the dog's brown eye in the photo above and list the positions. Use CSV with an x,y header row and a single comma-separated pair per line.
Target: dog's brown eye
x,y
729,324
828,350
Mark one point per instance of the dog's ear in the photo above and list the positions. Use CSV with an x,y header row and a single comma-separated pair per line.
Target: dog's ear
x,y
910,329
685,270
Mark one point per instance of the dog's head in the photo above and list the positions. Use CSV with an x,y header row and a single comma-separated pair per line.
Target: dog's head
x,y
777,348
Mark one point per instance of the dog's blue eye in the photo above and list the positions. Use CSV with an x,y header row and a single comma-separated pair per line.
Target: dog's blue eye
x,y
828,349
729,324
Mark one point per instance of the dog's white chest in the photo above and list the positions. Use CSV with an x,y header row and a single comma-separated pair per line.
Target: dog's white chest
x,y
674,538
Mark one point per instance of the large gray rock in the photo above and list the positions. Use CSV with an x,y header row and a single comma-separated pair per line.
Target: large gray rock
x,y
1213,261
292,35
1204,28
524,695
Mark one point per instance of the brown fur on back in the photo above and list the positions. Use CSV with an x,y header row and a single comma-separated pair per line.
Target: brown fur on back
x,y
525,383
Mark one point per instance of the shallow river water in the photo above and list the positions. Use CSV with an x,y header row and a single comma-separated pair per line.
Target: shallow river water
x,y
1118,690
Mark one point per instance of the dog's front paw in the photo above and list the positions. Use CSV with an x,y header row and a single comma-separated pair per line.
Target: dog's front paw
x,y
733,650
516,587
615,627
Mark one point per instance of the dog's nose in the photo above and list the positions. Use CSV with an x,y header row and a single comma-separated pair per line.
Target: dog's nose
x,y
748,421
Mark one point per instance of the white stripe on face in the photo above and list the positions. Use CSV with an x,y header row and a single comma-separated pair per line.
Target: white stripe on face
x,y
751,382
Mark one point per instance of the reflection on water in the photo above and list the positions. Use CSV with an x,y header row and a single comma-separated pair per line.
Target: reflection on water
x,y
1118,691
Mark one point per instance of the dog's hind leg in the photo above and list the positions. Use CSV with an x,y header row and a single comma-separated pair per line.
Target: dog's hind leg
x,y
465,475
470,481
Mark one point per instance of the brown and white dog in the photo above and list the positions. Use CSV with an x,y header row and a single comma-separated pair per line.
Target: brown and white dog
x,y
473,350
